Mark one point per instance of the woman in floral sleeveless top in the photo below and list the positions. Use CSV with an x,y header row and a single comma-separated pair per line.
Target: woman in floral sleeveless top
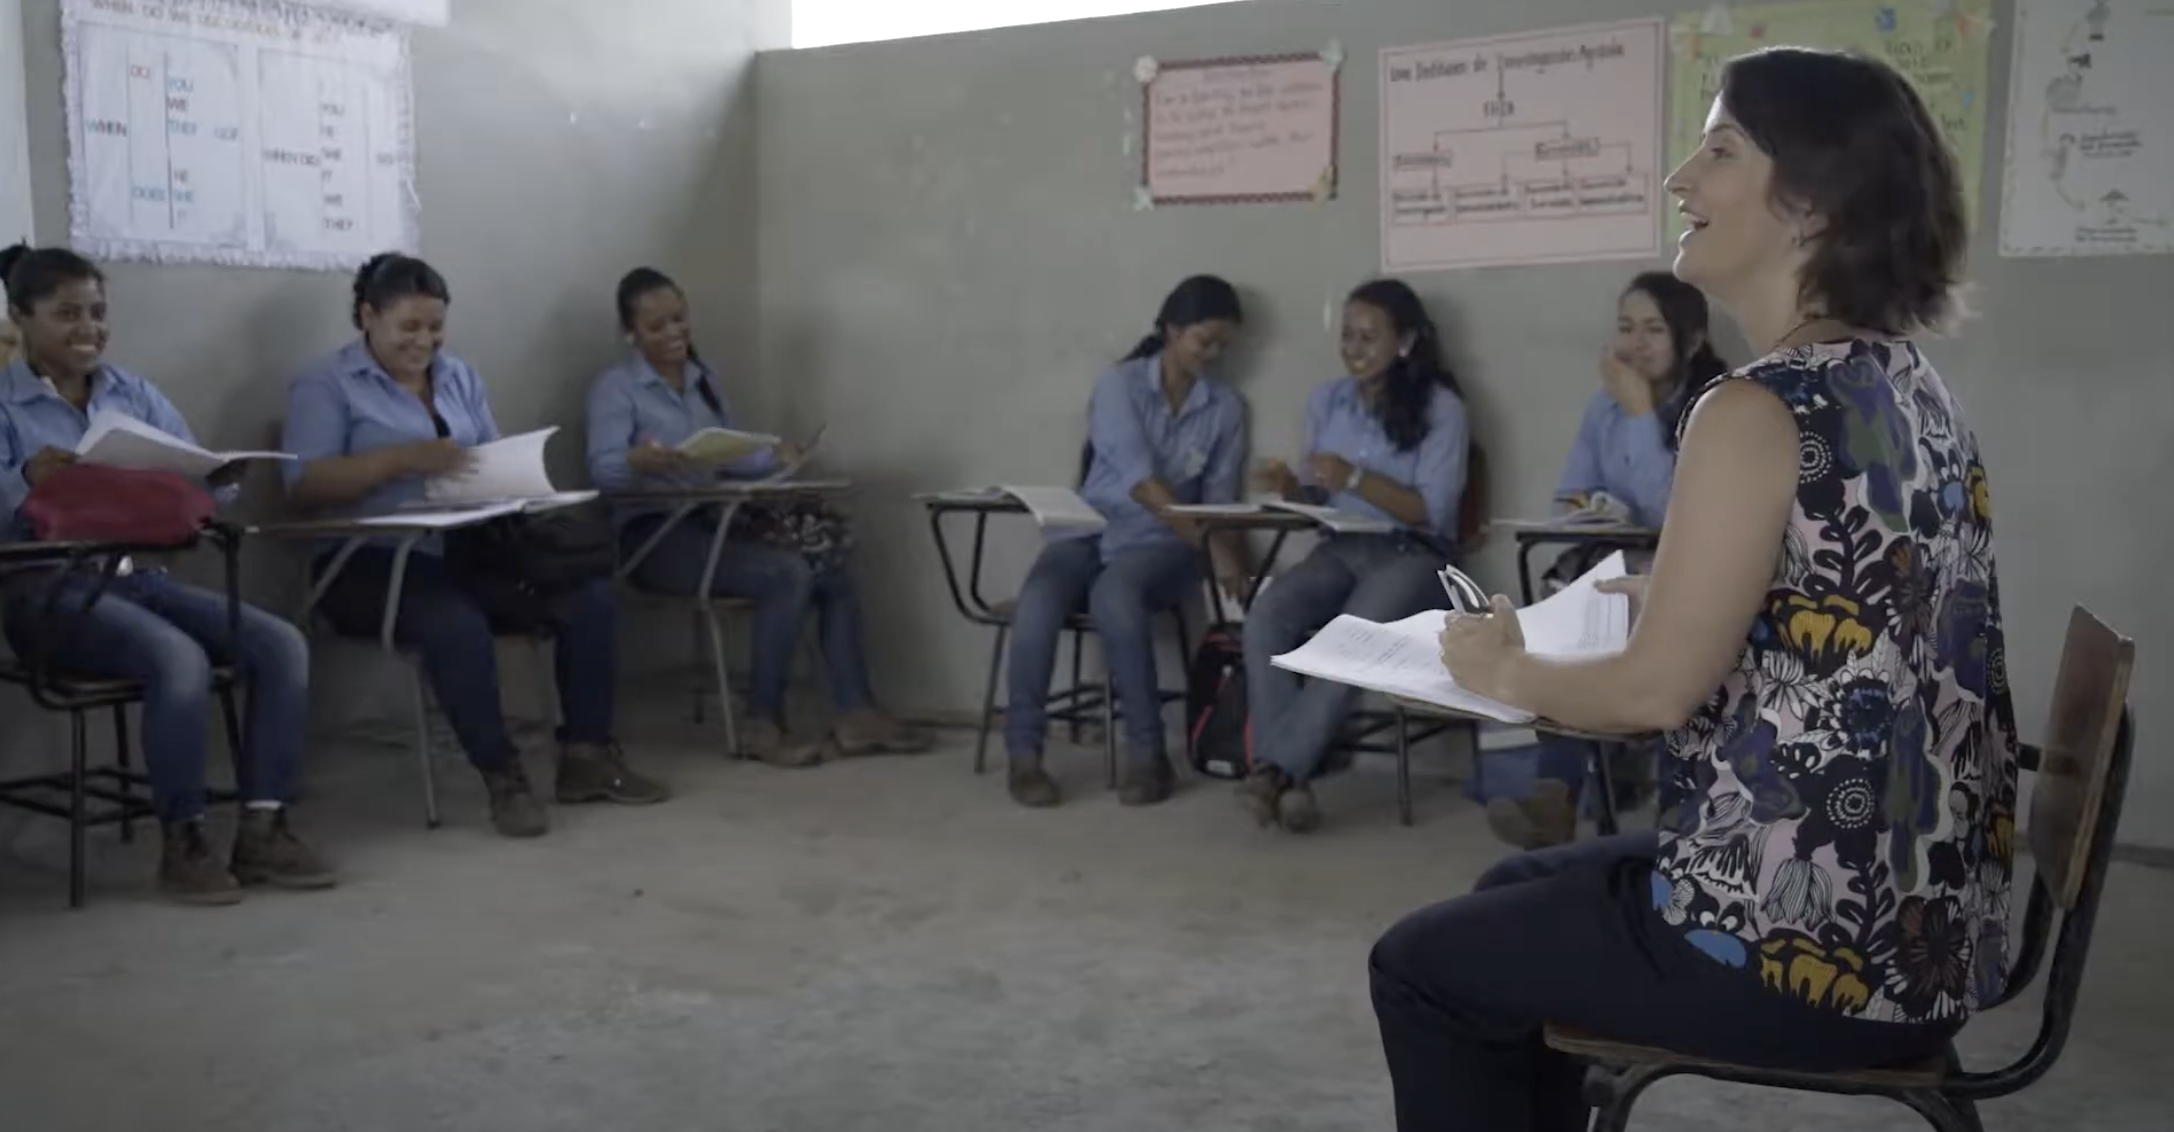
x,y
1819,640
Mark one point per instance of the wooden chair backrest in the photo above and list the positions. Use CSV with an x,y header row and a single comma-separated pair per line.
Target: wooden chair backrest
x,y
2069,799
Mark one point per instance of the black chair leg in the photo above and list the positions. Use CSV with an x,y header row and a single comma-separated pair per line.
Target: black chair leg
x,y
988,700
1613,1093
1604,783
121,760
230,719
1941,1113
1403,767
78,819
1079,650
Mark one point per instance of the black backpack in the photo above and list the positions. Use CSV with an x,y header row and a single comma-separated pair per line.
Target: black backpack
x,y
1215,706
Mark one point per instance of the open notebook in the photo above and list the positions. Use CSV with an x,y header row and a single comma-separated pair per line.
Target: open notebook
x,y
1404,658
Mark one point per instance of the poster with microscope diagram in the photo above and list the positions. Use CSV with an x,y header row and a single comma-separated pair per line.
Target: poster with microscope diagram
x,y
2090,164
1542,147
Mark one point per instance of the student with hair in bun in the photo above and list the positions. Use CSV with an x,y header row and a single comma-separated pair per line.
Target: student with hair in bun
x,y
789,563
1161,430
369,423
146,627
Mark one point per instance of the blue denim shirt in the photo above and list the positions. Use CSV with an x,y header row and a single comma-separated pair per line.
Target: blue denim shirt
x,y
632,404
34,417
1338,421
345,404
1198,451
1625,456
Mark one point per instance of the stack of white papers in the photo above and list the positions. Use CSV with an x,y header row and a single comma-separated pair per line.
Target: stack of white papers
x,y
1058,507
1214,509
116,440
1341,522
1404,658
503,471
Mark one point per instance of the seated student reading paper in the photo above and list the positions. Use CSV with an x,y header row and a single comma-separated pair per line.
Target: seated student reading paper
x,y
791,562
147,627
375,424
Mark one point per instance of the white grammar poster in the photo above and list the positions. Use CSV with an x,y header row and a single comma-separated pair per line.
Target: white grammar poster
x,y
2090,163
220,131
1535,148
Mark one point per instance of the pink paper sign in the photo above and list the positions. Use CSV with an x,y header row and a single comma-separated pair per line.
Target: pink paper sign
x,y
1225,131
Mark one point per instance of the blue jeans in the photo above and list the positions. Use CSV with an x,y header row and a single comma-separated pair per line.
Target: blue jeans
x,y
1379,578
1122,598
784,588
449,633
168,636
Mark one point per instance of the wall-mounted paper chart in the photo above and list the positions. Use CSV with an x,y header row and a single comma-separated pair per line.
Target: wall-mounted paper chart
x,y
2090,159
1538,148
1230,131
1939,45
242,134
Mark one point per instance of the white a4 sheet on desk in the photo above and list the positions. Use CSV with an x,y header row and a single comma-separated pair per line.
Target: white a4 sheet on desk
x,y
1404,658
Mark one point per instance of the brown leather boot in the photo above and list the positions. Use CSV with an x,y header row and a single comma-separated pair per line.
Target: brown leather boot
x,y
1030,785
1147,782
593,772
1546,817
267,852
514,809
189,872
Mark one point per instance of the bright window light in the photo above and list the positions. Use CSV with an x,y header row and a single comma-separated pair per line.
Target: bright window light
x,y
819,23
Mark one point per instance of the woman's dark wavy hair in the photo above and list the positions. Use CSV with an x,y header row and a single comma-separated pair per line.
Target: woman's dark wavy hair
x,y
1407,386
1690,338
29,275
1854,148
1202,298
390,277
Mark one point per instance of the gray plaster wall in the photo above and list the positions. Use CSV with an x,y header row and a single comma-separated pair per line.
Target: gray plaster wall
x,y
949,255
559,143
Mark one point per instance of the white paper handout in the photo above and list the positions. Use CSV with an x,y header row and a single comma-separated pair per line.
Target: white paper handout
x,y
1058,507
503,470
1212,509
718,446
1341,522
117,440
1404,658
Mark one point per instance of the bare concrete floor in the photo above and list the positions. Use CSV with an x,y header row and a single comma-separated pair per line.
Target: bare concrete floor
x,y
880,945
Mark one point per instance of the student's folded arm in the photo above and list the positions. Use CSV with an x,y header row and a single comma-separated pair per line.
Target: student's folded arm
x,y
160,413
1735,486
322,473
612,434
1121,444
1442,457
1652,465
1581,471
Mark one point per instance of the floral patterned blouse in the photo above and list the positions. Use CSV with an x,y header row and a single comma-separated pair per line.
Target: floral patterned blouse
x,y
1846,826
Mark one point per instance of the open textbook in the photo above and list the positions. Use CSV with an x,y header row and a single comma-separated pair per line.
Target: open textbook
x,y
507,471
116,440
1341,522
1404,658
1058,507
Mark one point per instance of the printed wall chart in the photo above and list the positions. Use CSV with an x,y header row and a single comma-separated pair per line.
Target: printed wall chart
x,y
2090,160
1537,148
1940,45
241,134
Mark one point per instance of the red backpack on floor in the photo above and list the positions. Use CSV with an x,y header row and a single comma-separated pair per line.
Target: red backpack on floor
x,y
95,503
1215,706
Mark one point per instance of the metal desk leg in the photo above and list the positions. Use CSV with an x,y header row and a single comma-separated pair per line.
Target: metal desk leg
x,y
1403,767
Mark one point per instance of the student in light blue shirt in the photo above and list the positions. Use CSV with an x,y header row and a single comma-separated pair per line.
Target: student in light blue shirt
x,y
370,422
1161,430
639,412
1623,462
1387,441
147,627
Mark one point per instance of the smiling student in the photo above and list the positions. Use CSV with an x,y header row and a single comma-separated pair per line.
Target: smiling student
x,y
1820,640
1161,430
1389,441
790,563
146,627
369,423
